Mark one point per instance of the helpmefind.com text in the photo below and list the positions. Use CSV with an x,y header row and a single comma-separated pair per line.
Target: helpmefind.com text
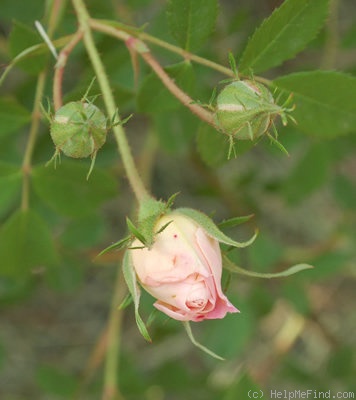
x,y
299,394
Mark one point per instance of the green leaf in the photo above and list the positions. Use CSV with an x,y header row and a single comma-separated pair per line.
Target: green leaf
x,y
341,362
294,291
28,12
231,335
21,38
282,35
212,230
25,243
192,21
325,101
188,329
329,264
244,384
131,281
345,191
29,52
13,116
214,147
83,232
10,184
175,130
68,192
66,276
290,271
154,97
13,289
2,355
309,174
54,381
265,252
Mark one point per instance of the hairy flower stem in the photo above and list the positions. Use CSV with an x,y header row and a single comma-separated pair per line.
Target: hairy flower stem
x,y
110,389
119,132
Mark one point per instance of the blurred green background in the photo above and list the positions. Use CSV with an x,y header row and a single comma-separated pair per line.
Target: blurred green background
x,y
296,333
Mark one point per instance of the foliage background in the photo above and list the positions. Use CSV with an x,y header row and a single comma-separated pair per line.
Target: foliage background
x,y
292,333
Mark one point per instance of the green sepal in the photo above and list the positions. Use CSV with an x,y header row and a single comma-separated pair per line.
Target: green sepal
x,y
275,141
117,246
232,267
149,208
131,281
171,200
126,302
150,211
188,329
231,222
211,229
152,317
138,234
227,282
233,66
163,227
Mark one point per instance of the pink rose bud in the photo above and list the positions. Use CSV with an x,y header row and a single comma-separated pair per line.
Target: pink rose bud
x,y
182,270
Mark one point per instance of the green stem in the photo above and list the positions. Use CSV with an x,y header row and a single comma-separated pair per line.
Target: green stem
x,y
186,54
110,389
136,45
55,14
60,66
127,31
177,92
119,132
35,123
193,57
36,115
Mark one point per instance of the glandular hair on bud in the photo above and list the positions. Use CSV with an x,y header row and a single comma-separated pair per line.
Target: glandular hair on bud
x,y
78,129
245,109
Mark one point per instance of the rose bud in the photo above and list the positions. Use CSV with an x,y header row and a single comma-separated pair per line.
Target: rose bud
x,y
245,109
79,129
182,270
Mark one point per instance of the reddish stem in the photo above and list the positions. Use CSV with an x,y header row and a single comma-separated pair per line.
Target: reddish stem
x,y
183,97
59,69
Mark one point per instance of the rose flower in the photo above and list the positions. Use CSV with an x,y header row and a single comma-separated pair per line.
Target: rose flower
x,y
182,270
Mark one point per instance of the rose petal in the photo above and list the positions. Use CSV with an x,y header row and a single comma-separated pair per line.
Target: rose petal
x,y
183,271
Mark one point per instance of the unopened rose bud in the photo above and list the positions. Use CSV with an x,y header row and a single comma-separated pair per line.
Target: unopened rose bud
x,y
78,129
245,109
182,270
